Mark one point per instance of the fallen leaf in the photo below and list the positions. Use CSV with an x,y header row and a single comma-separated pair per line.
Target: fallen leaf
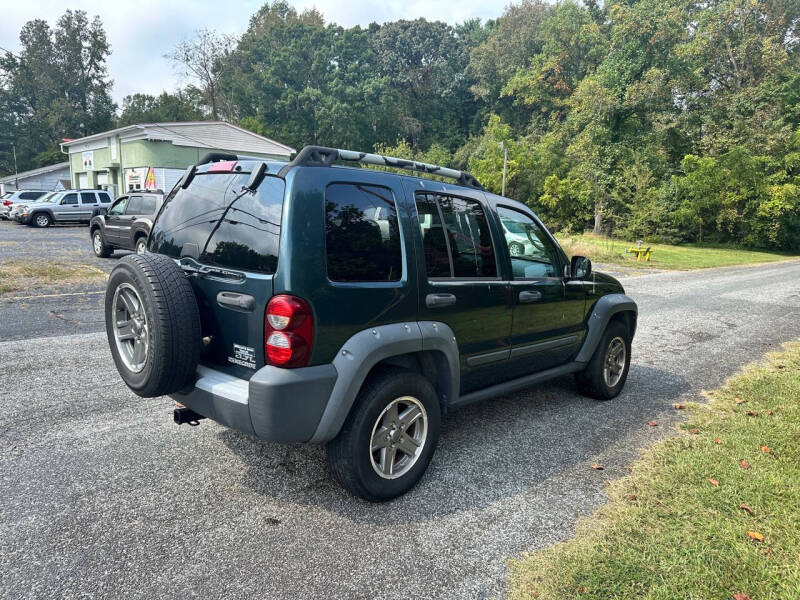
x,y
583,590
744,464
768,552
747,509
694,431
713,482
678,406
752,413
739,401
597,467
765,449
717,441
632,496
711,393
781,366
652,424
769,412
755,536
741,596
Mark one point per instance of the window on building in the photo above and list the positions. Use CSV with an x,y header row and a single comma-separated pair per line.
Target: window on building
x,y
362,233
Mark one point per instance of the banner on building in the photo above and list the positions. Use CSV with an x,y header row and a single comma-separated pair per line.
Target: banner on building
x,y
88,160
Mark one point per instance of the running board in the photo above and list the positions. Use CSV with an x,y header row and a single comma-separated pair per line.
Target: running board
x,y
518,384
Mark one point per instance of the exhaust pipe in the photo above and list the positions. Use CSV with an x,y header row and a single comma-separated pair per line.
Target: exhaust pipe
x,y
186,415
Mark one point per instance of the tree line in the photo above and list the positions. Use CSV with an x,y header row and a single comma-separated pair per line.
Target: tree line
x,y
670,120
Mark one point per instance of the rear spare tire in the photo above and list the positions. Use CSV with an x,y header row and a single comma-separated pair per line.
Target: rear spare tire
x,y
153,324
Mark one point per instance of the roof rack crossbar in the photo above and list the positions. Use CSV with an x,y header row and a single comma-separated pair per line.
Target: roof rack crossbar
x,y
321,156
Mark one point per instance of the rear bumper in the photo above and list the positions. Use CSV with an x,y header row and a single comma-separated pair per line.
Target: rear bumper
x,y
281,405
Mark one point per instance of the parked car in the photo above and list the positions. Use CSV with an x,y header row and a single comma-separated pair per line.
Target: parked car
x,y
126,224
70,206
18,197
307,302
22,207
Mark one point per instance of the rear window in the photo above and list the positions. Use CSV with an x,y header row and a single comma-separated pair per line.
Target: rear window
x,y
218,222
88,198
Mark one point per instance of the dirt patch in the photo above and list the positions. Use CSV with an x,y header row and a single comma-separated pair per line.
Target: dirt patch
x,y
31,276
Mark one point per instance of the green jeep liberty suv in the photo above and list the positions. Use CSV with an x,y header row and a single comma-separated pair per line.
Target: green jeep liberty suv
x,y
312,302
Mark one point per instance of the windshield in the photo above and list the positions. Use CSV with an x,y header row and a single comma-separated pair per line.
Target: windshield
x,y
6,195
44,198
51,197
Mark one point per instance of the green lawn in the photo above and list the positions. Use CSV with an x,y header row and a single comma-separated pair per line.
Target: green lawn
x,y
690,256
710,513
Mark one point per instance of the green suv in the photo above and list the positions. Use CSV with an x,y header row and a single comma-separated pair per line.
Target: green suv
x,y
355,307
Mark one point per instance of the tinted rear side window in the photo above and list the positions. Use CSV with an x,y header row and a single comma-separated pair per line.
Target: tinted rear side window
x,y
148,205
362,234
216,221
134,206
104,197
70,199
88,198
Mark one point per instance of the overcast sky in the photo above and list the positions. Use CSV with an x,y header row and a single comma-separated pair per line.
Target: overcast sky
x,y
141,32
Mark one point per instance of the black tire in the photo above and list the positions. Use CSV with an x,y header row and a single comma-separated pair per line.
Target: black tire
x,y
139,240
99,247
41,220
348,455
173,324
591,381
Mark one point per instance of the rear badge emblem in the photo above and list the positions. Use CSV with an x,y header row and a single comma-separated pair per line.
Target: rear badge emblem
x,y
243,356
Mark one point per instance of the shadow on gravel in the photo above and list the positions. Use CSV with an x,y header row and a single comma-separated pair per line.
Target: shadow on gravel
x,y
487,452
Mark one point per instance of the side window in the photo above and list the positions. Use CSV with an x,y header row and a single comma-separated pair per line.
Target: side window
x,y
119,206
104,197
88,198
362,234
70,199
148,205
29,195
465,237
134,206
532,253
434,239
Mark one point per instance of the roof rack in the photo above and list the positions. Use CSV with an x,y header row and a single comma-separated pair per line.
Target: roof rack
x,y
320,156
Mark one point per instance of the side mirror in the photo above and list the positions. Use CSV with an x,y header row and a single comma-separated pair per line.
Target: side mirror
x,y
580,267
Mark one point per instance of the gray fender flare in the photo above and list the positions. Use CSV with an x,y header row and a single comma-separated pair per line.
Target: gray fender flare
x,y
603,310
361,352
42,210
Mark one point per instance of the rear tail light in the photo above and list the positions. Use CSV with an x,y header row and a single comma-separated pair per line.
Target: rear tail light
x,y
6,202
288,332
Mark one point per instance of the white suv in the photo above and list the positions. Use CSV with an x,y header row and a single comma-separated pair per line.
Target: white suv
x,y
18,197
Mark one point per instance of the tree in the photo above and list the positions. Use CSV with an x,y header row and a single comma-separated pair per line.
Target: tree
x,y
201,58
183,105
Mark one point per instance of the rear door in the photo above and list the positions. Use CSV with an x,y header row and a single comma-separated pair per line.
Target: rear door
x,y
88,204
226,239
459,280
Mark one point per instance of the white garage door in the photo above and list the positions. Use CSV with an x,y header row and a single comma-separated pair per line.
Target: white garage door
x,y
102,178
83,180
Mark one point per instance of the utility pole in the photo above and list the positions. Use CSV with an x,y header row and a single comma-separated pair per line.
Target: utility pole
x,y
16,173
505,162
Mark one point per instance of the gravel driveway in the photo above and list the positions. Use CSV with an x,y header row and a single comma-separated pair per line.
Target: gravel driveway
x,y
101,495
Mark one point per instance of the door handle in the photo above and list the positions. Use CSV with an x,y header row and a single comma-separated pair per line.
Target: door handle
x,y
437,300
529,296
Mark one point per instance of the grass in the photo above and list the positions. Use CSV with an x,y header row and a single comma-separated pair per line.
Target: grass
x,y
30,276
690,256
670,532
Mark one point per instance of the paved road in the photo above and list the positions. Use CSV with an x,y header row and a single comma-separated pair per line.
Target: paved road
x,y
56,309
100,495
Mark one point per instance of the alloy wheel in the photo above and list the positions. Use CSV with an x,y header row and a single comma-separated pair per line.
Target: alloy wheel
x,y
131,331
398,437
615,361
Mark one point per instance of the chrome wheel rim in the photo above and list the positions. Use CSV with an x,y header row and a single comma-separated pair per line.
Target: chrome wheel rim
x,y
514,249
615,361
141,247
130,328
398,437
42,221
98,244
